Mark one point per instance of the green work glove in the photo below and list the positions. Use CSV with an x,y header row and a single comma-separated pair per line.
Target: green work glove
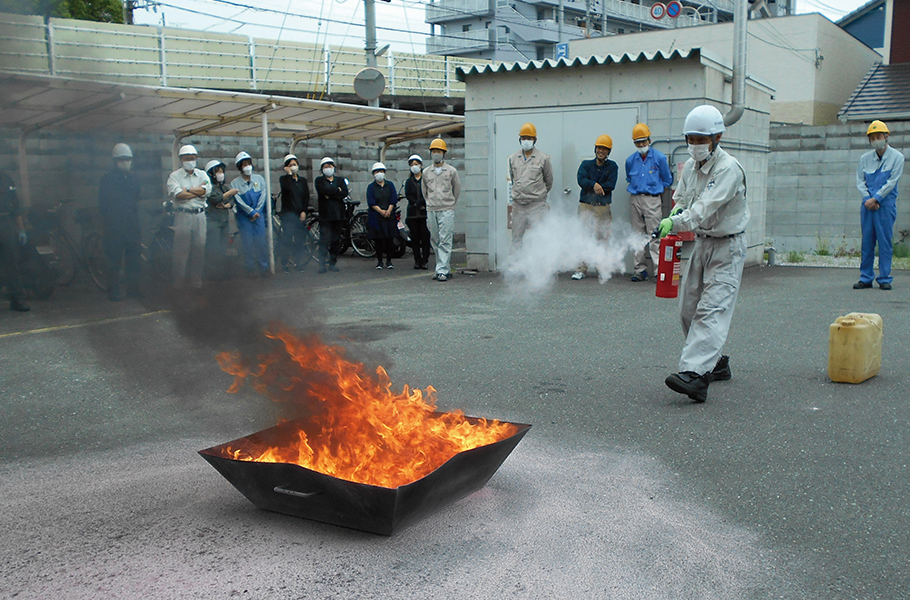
x,y
665,227
676,210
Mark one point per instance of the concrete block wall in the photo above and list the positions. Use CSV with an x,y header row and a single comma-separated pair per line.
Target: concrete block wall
x,y
812,195
68,166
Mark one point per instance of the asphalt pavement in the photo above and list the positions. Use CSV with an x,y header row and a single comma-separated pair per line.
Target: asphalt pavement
x,y
782,485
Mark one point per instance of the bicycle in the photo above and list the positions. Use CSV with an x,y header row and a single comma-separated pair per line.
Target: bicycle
x,y
62,253
353,232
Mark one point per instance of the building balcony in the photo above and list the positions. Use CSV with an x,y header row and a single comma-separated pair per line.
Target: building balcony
x,y
441,11
462,42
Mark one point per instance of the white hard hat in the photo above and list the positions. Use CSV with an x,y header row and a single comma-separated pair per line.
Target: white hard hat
x,y
378,166
289,157
415,157
188,149
121,151
704,120
212,164
241,156
326,161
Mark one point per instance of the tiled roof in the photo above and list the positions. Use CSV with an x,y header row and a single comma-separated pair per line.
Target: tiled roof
x,y
884,93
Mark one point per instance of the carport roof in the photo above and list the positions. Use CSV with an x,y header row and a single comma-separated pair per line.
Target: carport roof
x,y
33,102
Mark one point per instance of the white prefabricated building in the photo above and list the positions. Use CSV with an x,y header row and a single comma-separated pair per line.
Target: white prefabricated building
x,y
573,102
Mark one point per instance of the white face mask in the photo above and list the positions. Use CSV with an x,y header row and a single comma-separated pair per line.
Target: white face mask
x,y
189,165
700,152
329,171
643,150
124,165
294,169
437,157
527,145
415,169
247,170
879,144
379,177
219,177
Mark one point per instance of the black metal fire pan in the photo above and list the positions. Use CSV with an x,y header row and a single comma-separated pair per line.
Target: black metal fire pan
x,y
294,490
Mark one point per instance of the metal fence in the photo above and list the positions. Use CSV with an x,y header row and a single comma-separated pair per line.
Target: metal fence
x,y
184,58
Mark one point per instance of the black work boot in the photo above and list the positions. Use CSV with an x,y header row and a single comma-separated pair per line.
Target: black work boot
x,y
691,384
721,370
19,305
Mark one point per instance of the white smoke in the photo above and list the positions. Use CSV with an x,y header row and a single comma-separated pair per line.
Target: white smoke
x,y
560,242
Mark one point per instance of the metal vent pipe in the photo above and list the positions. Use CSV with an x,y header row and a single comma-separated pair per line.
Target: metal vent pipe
x,y
740,54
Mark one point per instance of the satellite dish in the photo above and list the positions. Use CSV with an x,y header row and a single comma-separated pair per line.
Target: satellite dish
x,y
369,83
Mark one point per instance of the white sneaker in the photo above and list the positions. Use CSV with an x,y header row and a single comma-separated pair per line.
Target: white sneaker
x,y
578,275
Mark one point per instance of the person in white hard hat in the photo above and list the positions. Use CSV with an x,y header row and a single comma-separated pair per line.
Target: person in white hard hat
x,y
220,204
711,201
417,213
382,200
250,200
189,187
332,191
295,204
118,205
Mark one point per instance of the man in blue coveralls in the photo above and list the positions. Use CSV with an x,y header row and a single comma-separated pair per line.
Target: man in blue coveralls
x,y
876,178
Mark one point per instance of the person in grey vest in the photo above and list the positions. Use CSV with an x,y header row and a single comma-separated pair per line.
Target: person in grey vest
x,y
711,201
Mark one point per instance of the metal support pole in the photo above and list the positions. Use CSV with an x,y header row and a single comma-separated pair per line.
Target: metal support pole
x,y
24,191
391,63
268,189
51,50
588,18
252,63
560,17
162,55
328,71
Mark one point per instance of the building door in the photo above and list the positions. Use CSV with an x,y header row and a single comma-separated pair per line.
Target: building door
x,y
568,136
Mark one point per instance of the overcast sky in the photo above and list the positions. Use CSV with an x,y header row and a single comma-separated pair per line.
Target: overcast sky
x,y
340,22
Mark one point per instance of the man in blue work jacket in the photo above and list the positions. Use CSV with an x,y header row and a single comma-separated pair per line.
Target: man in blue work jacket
x,y
648,175
597,180
876,178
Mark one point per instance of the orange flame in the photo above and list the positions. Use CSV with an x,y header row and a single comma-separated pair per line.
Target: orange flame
x,y
357,429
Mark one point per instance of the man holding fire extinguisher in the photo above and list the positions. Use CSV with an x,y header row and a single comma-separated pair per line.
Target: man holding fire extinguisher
x,y
711,201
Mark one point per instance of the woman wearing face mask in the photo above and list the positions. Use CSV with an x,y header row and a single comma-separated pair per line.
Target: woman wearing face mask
x,y
250,200
331,191
417,213
118,201
220,202
381,224
295,203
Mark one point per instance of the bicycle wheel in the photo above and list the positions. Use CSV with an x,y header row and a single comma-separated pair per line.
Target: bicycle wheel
x,y
93,249
61,257
361,242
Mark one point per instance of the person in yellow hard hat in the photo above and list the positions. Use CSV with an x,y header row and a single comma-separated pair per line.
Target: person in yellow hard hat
x,y
877,176
531,178
441,188
648,175
597,178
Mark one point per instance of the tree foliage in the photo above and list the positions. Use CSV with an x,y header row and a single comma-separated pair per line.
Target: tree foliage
x,y
106,11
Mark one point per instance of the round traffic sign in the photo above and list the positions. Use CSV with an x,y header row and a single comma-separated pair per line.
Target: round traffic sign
x,y
658,10
674,7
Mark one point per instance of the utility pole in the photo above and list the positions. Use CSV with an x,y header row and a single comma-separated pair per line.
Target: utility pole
x,y
588,18
561,17
369,12
128,6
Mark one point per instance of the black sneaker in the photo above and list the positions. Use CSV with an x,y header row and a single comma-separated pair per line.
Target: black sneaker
x,y
642,276
379,267
333,268
691,384
861,285
417,266
721,370
389,266
322,269
884,286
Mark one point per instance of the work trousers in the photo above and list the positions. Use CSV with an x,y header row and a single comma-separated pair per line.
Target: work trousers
x,y
644,216
292,242
10,274
878,228
123,248
255,241
329,234
189,248
708,295
523,218
217,239
441,224
420,239
597,217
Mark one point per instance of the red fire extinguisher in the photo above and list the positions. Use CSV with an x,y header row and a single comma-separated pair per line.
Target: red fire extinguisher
x,y
668,267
